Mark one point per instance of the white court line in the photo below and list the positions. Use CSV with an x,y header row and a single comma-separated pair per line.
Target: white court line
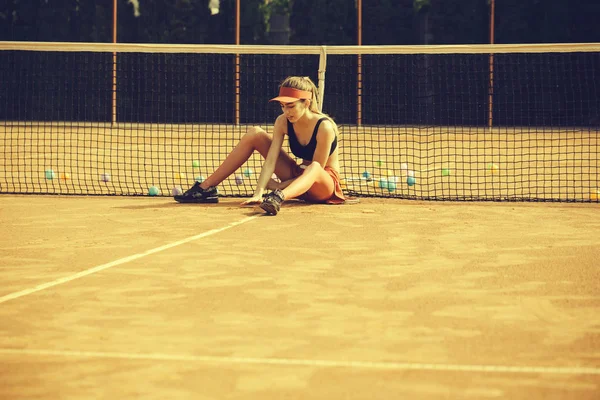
x,y
120,261
504,369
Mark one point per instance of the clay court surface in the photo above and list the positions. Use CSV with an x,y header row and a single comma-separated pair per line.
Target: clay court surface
x,y
139,297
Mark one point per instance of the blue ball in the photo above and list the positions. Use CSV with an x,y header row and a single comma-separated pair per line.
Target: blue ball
x,y
153,191
50,174
366,174
411,180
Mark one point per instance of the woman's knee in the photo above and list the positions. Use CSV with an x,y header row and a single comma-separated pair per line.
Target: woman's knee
x,y
314,168
254,134
315,165
256,138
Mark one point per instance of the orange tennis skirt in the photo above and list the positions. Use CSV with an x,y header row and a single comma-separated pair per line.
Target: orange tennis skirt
x,y
337,197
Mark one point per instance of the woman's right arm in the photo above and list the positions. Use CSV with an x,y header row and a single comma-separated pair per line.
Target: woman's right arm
x,y
269,164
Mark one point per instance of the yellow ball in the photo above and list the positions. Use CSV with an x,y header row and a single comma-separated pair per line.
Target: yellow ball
x,y
493,168
595,195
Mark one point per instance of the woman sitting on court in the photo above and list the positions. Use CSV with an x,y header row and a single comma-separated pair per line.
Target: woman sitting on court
x,y
312,137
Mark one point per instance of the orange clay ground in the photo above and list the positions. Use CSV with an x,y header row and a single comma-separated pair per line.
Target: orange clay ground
x,y
143,298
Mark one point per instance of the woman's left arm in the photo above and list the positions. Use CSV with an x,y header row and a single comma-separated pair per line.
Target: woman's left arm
x,y
325,137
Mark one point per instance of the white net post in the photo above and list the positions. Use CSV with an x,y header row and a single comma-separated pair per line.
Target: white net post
x,y
321,77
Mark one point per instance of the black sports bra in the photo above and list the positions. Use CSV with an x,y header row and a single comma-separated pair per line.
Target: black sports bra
x,y
307,152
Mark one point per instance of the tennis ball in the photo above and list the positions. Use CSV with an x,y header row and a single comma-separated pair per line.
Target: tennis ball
x,y
493,168
248,172
383,183
199,179
196,164
404,166
595,195
239,179
153,191
410,173
445,172
65,177
411,180
380,163
391,186
343,183
50,174
177,191
366,175
105,177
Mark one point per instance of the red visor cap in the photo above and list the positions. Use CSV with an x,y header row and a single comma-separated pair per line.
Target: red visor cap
x,y
290,95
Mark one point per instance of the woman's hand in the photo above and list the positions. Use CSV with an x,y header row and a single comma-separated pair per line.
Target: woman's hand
x,y
252,201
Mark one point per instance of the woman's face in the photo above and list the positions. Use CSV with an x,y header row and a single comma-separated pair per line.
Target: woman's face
x,y
293,111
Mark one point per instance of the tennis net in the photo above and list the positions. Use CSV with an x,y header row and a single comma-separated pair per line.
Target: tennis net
x,y
501,122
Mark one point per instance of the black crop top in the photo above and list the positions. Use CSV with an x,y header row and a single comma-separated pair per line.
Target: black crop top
x,y
307,152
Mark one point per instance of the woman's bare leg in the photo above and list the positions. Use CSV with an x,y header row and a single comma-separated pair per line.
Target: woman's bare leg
x,y
254,139
314,180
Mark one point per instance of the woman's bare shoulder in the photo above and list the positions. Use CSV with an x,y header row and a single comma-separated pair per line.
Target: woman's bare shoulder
x,y
281,124
327,128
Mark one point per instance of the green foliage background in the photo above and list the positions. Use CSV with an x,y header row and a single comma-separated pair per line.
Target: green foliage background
x,y
330,22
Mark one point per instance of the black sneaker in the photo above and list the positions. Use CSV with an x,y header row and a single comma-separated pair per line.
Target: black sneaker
x,y
196,194
272,202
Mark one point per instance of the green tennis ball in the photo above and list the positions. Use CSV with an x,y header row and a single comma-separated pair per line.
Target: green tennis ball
x,y
248,172
153,191
391,186
196,164
411,180
445,172
383,183
50,174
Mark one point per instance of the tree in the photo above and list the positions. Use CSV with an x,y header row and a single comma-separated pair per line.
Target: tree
x,y
179,21
277,17
322,23
63,20
252,23
548,21
388,22
459,22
